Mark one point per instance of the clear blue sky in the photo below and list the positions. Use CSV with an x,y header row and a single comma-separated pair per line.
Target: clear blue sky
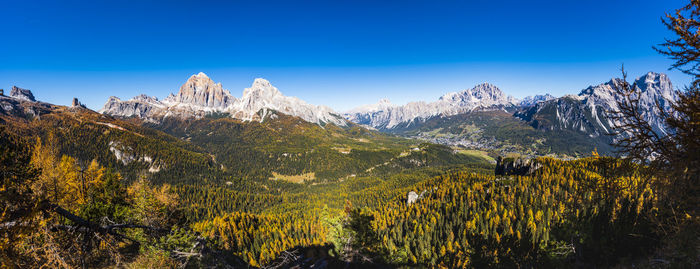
x,y
337,53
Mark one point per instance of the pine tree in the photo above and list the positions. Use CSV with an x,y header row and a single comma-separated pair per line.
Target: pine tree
x,y
17,203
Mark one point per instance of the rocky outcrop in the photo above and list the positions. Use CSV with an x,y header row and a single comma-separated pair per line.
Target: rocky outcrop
x,y
413,197
200,90
76,104
144,107
22,94
515,166
21,103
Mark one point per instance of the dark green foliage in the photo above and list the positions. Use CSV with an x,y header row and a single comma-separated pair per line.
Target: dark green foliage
x,y
286,145
109,200
17,204
568,213
365,239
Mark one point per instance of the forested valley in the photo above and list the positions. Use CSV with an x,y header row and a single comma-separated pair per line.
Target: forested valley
x,y
81,189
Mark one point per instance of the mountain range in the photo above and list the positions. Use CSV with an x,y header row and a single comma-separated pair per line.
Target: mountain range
x,y
202,135
485,96
385,116
482,117
200,96
588,111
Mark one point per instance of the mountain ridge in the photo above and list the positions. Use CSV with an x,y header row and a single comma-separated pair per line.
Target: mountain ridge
x,y
386,116
485,96
539,124
200,96
588,111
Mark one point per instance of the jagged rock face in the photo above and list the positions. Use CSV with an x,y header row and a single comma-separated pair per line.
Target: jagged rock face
x,y
413,197
533,100
22,94
262,98
21,103
588,111
144,107
483,95
77,103
515,166
200,95
200,90
386,116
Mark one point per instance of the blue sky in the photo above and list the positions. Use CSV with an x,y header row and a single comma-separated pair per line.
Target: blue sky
x,y
337,53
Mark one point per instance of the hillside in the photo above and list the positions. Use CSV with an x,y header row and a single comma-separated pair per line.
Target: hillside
x,y
254,191
500,133
218,149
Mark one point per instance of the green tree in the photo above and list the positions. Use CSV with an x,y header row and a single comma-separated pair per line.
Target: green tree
x,y
17,204
672,156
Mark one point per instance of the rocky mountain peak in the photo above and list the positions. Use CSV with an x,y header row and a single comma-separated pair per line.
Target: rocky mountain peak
x,y
387,116
200,90
113,99
201,75
487,88
480,93
488,91
656,82
260,90
655,78
382,105
534,99
263,97
652,85
261,83
145,98
22,94
200,96
75,103
588,112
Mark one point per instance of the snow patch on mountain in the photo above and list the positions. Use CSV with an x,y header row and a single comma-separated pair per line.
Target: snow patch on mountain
x,y
533,100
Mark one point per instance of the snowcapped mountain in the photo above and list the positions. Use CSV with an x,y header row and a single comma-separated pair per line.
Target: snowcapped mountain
x,y
533,100
384,115
588,111
485,118
263,97
382,105
200,96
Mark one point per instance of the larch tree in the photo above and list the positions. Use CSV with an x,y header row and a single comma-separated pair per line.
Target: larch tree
x,y
17,204
672,156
